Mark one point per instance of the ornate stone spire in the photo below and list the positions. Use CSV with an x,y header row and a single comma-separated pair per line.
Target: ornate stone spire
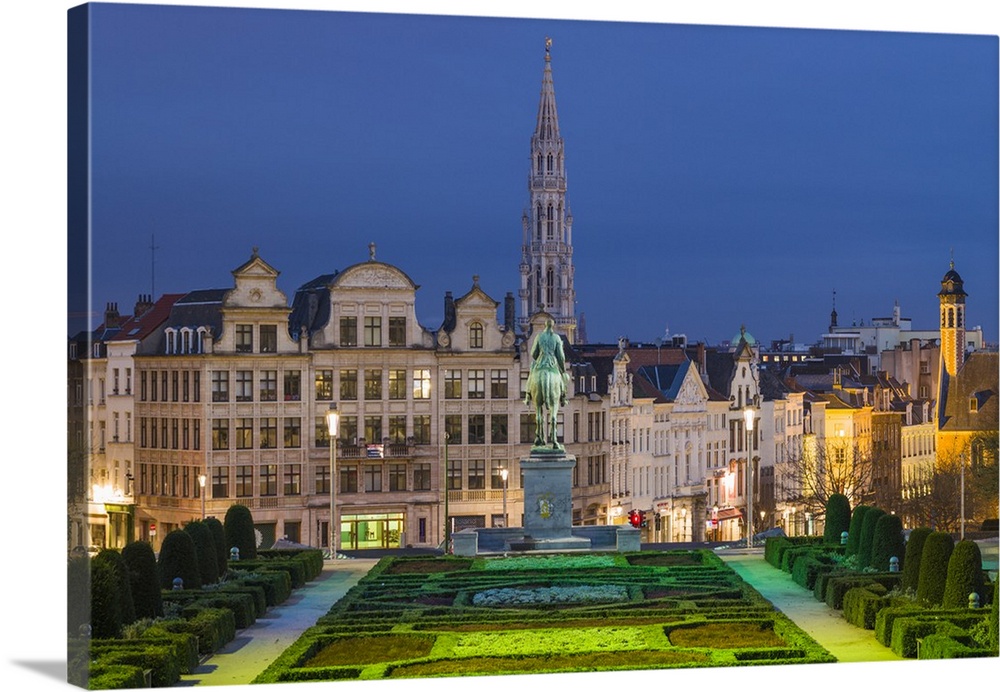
x,y
547,233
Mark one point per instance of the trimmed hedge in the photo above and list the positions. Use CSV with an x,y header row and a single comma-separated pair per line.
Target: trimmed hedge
x,y
144,579
105,605
161,659
204,543
838,518
945,645
219,541
240,532
806,569
965,575
214,627
839,586
888,543
911,558
115,677
854,531
866,543
863,603
179,558
907,630
123,585
242,605
310,558
296,570
934,567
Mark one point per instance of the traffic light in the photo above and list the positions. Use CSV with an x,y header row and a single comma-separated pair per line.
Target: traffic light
x,y
635,518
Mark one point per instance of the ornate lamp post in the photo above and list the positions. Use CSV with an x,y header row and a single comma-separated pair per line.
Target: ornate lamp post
x,y
332,426
748,420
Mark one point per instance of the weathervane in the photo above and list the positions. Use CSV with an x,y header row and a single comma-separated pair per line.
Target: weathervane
x,y
548,47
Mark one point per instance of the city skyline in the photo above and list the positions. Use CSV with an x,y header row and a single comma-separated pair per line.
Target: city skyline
x,y
810,161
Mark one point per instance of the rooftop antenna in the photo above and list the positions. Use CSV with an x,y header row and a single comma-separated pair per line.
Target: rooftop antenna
x,y
153,247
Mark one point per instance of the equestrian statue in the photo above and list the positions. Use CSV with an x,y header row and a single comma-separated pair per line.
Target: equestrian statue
x,y
546,387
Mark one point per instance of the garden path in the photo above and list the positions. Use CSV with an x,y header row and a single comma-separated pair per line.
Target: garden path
x,y
827,626
255,647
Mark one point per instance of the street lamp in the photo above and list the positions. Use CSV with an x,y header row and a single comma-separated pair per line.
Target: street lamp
x,y
332,426
201,482
748,420
444,483
503,474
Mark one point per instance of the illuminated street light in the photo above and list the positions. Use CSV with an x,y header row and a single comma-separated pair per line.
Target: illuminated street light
x,y
202,478
332,426
503,474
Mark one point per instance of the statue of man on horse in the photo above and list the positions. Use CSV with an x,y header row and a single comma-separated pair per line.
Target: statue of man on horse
x,y
546,386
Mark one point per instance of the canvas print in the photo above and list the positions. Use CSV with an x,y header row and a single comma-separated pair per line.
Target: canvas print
x,y
410,346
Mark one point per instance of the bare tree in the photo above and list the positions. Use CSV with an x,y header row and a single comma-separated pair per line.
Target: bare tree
x,y
823,469
935,500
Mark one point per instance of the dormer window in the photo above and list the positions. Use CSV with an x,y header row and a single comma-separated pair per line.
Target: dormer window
x,y
476,335
973,405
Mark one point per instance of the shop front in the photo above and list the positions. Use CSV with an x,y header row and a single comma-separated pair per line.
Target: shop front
x,y
368,531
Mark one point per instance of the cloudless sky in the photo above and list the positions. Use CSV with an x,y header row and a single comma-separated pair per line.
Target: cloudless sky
x,y
33,50
718,176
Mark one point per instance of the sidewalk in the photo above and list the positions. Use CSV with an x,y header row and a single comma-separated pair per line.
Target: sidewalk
x,y
254,648
827,626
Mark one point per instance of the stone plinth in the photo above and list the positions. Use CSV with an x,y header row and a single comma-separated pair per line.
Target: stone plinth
x,y
548,503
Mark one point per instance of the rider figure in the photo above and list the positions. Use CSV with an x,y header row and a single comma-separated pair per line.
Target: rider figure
x,y
548,363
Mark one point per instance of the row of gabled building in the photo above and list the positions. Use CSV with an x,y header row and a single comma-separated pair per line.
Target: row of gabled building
x,y
230,387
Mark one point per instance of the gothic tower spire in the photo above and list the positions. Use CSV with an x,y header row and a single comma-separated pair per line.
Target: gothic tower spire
x,y
547,225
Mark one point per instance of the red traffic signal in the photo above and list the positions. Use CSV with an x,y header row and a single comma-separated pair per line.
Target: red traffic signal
x,y
635,518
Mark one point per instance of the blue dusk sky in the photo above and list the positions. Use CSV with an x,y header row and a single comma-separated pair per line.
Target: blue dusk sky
x,y
718,175
721,171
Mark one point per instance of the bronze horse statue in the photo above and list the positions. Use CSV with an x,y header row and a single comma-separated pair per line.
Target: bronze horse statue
x,y
546,386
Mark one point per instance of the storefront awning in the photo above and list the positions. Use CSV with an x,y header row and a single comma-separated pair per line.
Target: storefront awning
x,y
730,513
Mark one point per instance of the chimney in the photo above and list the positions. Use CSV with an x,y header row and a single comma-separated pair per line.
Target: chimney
x,y
143,305
449,312
508,311
112,320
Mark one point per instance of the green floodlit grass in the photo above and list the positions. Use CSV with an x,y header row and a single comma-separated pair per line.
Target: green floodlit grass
x,y
551,663
355,651
431,617
726,635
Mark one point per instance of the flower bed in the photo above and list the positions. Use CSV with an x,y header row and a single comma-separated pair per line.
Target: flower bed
x,y
546,613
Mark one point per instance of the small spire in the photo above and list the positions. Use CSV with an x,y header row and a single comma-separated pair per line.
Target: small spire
x,y
475,280
255,252
371,252
548,49
952,264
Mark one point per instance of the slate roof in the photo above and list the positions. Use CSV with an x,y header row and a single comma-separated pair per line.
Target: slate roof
x,y
311,306
665,379
199,308
978,379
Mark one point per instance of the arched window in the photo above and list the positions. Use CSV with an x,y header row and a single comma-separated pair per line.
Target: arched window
x,y
550,162
170,335
550,222
951,317
475,335
538,222
539,163
550,285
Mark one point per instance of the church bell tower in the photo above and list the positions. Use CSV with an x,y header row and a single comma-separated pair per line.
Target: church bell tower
x,y
547,225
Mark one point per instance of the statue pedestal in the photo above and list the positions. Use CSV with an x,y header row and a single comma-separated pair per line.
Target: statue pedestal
x,y
548,504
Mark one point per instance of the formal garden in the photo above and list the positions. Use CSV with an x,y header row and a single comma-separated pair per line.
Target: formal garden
x,y
141,620
413,617
925,597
